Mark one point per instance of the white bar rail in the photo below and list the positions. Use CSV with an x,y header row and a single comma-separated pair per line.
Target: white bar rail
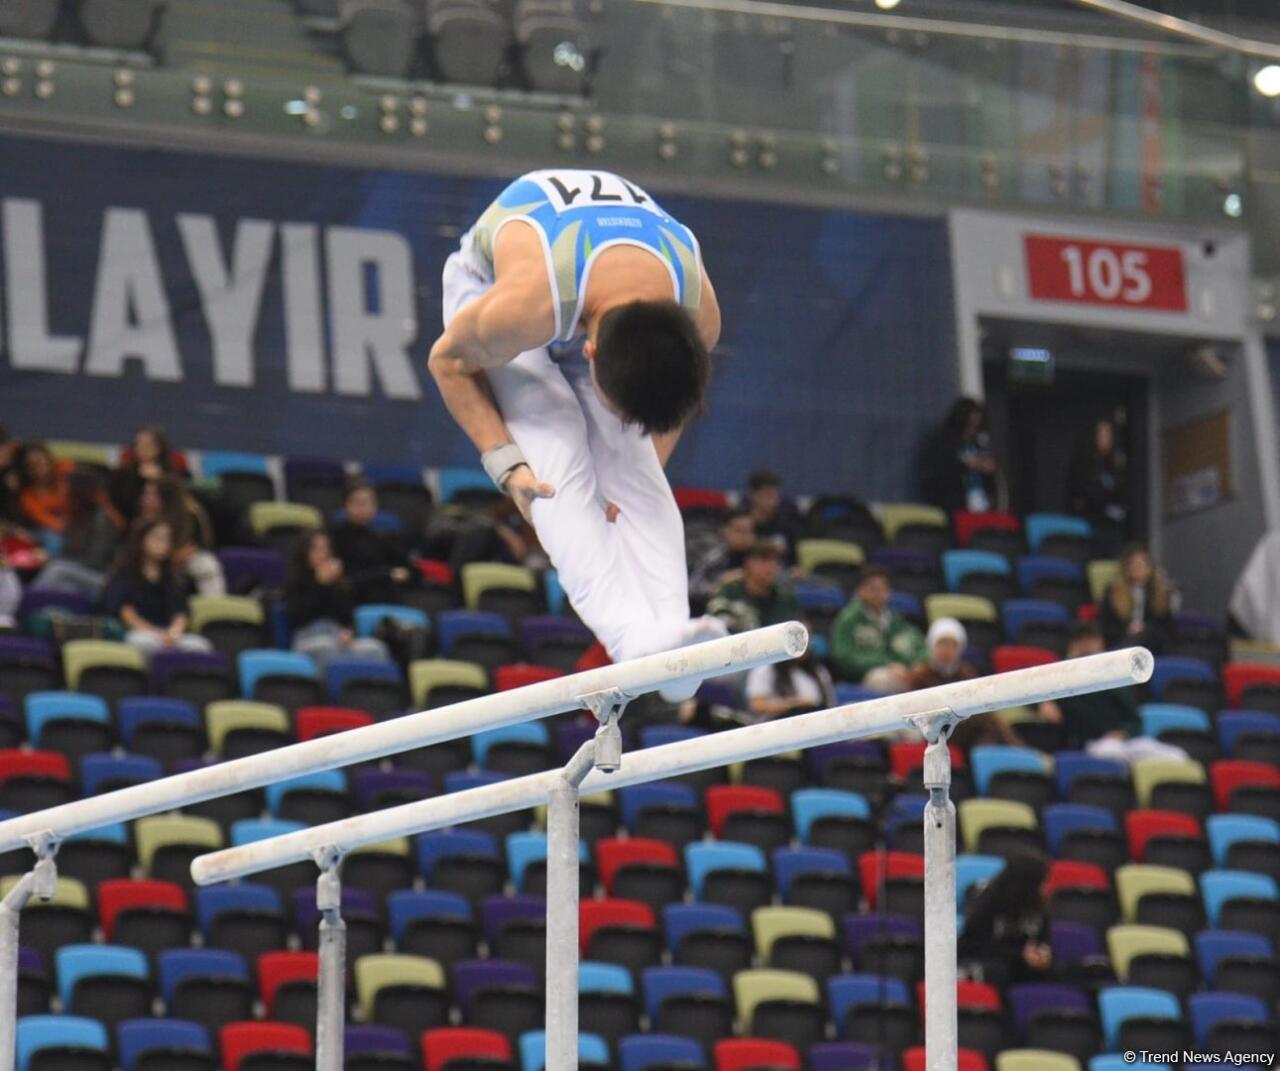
x,y
628,679
874,717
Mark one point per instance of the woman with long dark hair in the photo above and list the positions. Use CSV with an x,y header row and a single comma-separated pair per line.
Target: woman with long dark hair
x,y
89,541
793,687
1006,928
42,487
149,457
1138,607
319,603
149,593
168,499
958,469
1098,487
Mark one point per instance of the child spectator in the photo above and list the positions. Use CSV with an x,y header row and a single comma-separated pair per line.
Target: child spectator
x,y
42,494
319,604
769,514
169,500
149,593
1105,724
150,458
958,469
1006,928
89,542
946,643
737,535
793,687
376,567
756,598
1137,610
872,643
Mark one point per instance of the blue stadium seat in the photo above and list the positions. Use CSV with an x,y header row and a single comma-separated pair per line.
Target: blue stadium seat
x,y
533,1049
635,798
453,625
847,694
1224,830
216,462
248,830
1212,946
77,963
178,965
36,1033
529,732
369,616
957,564
1113,1061
406,905
704,857
810,804
638,1052
604,978
971,869
146,709
1119,1003
1068,765
1033,568
525,849
137,1037
1220,886
1234,723
845,991
1039,526
556,597
1175,667
334,781
345,668
213,900
661,983
256,664
789,863
1209,1009
455,480
443,844
1018,613
100,768
1059,819
681,919
44,707
658,735
1163,717
988,760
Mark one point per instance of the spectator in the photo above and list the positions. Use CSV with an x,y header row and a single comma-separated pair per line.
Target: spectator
x,y
319,604
736,537
757,597
376,568
1138,608
769,513
10,593
871,642
42,482
149,459
958,469
1006,928
1105,724
1098,488
793,687
169,500
149,592
946,643
89,541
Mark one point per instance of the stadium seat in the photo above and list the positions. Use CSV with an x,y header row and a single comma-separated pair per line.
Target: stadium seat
x,y
607,1000
1249,734
375,789
593,1051
201,678
655,1051
313,722
1067,823
1032,622
1151,775
206,985
1208,1010
446,1045
462,861
1119,1005
277,524
1138,881
819,878
109,983
247,568
289,1045
287,986
58,1041
989,762
498,995
638,868
434,923
1244,842
148,915
70,724
751,1054
1008,657
313,798
786,1005
27,665
1155,837
371,685
1223,891
1035,1060
246,918
440,682
857,1001
237,727
403,991
974,870
1101,573
113,671
707,935
493,587
365,931
108,772
1224,952
1130,943
232,623
729,873
831,818
796,939
284,678
475,636
163,1045
687,1001
523,748
749,814
1229,776
988,818
1253,686
168,843
34,780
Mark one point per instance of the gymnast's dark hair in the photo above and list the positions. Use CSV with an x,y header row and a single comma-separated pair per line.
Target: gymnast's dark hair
x,y
652,365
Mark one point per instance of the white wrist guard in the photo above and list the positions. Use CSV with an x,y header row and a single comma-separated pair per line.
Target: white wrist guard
x,y
500,461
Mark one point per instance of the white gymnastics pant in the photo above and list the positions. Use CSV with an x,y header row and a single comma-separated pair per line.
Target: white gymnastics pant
x,y
628,579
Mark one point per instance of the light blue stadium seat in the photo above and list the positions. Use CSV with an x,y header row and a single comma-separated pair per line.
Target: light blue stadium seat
x,y
44,707
1119,1003
988,760
972,869
529,732
1219,886
36,1033
957,564
76,962
1224,830
217,462
369,616
810,804
524,849
256,664
604,978
592,1048
1163,717
455,480
248,830
322,780
701,858
1039,526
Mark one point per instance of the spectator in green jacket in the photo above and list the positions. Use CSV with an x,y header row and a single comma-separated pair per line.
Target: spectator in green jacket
x,y
757,597
872,643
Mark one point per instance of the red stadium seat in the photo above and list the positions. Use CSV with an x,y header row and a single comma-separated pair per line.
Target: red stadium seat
x,y
967,523
1071,874
1141,826
874,868
969,994
966,1060
519,674
688,498
447,1043
724,800
907,756
1227,775
1238,677
436,573
15,762
246,1038
122,894
612,854
280,968
594,914
745,1054
323,721
1013,656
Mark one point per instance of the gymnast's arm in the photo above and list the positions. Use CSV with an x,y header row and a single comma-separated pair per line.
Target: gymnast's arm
x,y
707,321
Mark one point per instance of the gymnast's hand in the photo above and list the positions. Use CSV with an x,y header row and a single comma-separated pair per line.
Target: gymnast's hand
x,y
523,487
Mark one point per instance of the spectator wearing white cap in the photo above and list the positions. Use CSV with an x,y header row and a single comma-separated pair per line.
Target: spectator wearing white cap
x,y
946,643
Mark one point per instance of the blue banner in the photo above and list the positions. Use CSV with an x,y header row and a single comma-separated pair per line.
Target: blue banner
x,y
288,308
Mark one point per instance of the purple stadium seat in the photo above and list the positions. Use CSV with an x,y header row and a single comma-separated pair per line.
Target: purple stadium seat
x,y
1026,1000
472,974
1073,941
497,911
371,783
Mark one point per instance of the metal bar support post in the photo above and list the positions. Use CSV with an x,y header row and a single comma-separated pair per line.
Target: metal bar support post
x,y
941,1030
331,1007
40,881
603,752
